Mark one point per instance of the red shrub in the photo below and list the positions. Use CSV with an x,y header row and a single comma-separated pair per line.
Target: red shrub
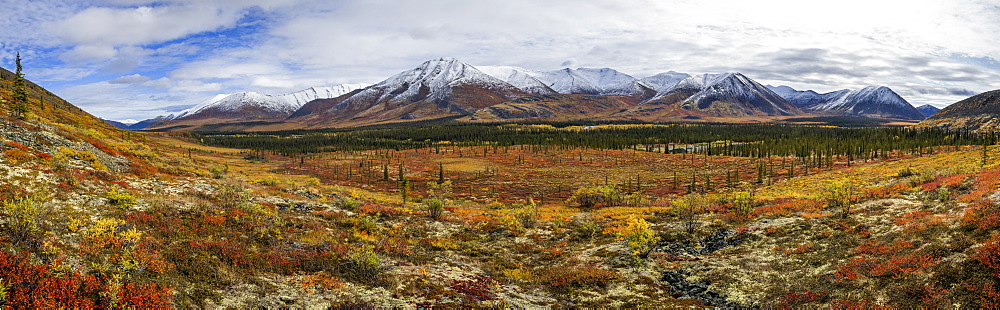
x,y
884,260
16,145
885,192
795,300
984,214
17,155
841,304
989,254
30,286
986,184
480,287
785,207
583,276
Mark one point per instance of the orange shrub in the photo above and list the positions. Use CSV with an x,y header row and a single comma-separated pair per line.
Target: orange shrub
x,y
989,255
841,304
986,184
30,286
319,280
786,207
17,155
884,192
983,214
884,260
563,278
16,145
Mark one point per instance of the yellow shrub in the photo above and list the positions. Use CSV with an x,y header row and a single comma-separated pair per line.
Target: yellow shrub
x,y
65,154
637,236
600,196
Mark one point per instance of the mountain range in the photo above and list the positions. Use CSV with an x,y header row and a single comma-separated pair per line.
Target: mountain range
x,y
871,101
447,88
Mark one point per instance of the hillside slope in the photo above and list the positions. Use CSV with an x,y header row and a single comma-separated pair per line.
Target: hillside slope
x,y
979,113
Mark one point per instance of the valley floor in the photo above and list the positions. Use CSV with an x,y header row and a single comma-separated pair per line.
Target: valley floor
x,y
521,226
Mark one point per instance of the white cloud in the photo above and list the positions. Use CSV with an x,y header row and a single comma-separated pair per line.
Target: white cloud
x,y
268,82
194,86
159,83
130,79
122,101
910,46
101,28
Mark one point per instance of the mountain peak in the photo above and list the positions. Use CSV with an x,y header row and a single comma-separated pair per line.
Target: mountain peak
x,y
592,81
436,88
928,110
724,94
871,101
663,81
251,104
521,78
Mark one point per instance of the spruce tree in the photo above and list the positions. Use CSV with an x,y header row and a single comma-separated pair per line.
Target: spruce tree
x,y
19,106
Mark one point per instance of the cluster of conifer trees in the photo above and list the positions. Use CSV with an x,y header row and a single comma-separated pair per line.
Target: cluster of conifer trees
x,y
746,140
19,102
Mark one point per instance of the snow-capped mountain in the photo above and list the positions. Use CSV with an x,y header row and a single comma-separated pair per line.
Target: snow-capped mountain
x,y
604,81
727,94
200,106
139,125
871,101
806,97
300,98
254,105
518,77
663,81
436,88
928,110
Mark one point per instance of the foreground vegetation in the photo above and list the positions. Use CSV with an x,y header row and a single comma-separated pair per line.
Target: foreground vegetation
x,y
509,216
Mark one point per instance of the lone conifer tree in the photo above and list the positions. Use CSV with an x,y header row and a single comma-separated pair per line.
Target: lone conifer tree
x,y
19,106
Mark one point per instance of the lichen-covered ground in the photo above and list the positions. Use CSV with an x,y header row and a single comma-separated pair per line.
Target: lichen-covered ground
x,y
105,218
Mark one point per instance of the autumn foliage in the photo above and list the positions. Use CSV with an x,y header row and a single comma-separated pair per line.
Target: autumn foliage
x,y
44,286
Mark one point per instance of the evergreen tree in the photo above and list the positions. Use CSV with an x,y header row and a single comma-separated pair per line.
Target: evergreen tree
x,y
19,106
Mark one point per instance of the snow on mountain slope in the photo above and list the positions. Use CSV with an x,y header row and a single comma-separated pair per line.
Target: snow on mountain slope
x,y
697,82
744,93
663,81
878,95
432,78
300,98
928,110
282,104
443,87
798,98
519,77
201,106
604,81
871,101
726,94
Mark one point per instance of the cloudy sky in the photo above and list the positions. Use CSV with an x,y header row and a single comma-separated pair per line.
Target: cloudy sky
x,y
122,59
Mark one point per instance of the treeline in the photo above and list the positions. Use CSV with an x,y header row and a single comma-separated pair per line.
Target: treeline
x,y
747,140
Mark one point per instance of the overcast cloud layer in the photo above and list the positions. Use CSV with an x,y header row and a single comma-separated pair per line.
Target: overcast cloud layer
x,y
122,59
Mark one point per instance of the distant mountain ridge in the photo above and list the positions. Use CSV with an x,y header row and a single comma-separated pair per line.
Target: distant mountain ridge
x,y
436,88
266,106
249,105
871,101
928,110
448,88
727,94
